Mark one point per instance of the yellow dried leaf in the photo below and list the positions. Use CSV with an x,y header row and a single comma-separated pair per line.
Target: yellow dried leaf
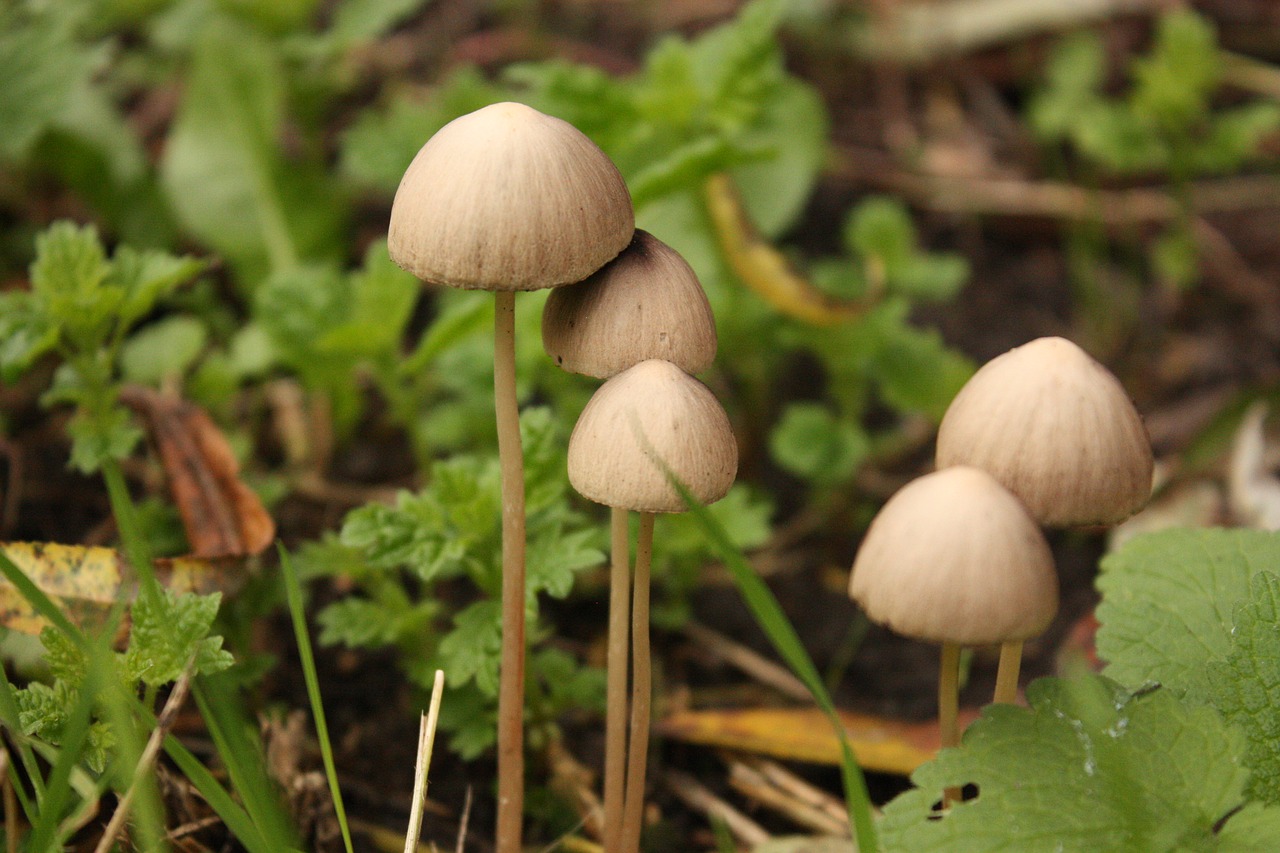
x,y
805,734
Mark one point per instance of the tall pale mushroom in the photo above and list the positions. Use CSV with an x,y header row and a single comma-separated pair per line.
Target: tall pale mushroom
x,y
1057,429
954,558
506,199
646,303
646,425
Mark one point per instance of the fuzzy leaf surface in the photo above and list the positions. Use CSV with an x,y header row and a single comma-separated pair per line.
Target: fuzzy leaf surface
x,y
1169,603
1089,766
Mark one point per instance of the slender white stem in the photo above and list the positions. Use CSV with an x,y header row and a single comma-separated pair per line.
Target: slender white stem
x,y
641,691
618,654
511,677
1007,674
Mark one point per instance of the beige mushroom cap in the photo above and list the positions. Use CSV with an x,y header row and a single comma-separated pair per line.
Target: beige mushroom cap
x,y
645,303
1057,429
953,557
648,416
506,198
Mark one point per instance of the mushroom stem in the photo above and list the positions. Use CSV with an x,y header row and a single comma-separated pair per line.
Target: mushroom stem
x,y
641,690
1007,674
615,738
949,707
511,683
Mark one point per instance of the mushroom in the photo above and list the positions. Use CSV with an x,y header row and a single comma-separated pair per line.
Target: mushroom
x,y
953,557
1057,429
646,303
507,199
642,429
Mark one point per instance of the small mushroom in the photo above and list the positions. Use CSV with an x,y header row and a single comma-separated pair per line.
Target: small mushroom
x,y
1057,429
646,426
954,558
507,199
646,303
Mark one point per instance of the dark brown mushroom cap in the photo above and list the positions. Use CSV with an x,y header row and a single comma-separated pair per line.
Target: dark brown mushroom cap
x,y
1057,429
953,557
645,303
507,198
645,421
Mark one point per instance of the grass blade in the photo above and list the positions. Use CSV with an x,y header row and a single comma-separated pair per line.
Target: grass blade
x,y
293,590
782,634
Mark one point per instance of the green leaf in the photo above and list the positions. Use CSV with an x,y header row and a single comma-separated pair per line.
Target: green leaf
x,y
25,334
812,443
914,368
109,434
358,622
556,555
1073,77
1168,601
881,228
470,652
1087,767
1173,83
411,534
1245,686
220,160
167,347
41,67
66,660
169,632
357,21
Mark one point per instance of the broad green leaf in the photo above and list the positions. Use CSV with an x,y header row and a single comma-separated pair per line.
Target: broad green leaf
x,y
41,67
1168,602
1245,686
356,21
1087,767
220,159
167,347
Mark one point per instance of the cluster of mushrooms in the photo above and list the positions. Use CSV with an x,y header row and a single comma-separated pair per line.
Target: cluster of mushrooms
x,y
508,199
1041,435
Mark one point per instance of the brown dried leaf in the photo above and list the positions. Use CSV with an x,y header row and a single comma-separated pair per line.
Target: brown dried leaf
x,y
222,516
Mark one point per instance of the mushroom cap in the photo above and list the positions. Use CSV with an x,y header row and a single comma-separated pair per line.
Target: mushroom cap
x,y
953,557
645,303
1057,429
507,198
648,416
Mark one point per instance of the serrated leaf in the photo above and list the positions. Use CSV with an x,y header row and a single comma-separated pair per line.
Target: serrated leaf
x,y
554,558
169,632
1087,767
66,660
1245,686
357,622
1168,601
812,443
470,652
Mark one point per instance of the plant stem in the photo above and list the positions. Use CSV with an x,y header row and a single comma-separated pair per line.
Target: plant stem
x,y
949,707
615,726
641,690
1007,674
511,684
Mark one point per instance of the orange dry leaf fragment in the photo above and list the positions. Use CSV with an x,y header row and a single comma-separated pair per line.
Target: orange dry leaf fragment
x,y
805,734
222,516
